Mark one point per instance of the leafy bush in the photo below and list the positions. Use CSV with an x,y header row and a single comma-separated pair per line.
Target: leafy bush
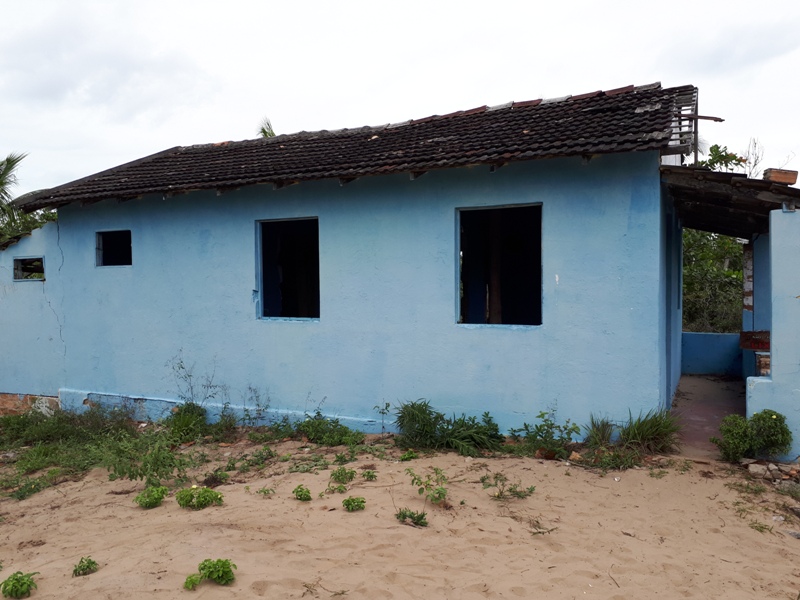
x,y
219,571
411,517
421,426
302,493
343,475
149,456
151,497
328,431
656,432
354,503
547,438
18,585
187,422
763,434
198,498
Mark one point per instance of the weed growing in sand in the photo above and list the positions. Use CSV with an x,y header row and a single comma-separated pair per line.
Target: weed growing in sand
x,y
658,473
408,455
302,493
369,475
338,489
265,492
354,503
411,517
309,464
219,571
432,486
655,432
18,585
599,432
216,478
503,489
148,456
760,527
547,439
151,497
423,427
792,490
747,487
328,431
85,566
198,498
343,475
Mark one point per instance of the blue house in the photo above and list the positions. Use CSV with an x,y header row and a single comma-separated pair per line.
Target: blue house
x,y
512,259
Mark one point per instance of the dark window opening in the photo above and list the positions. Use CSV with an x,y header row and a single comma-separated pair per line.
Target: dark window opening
x,y
28,268
290,268
114,248
501,266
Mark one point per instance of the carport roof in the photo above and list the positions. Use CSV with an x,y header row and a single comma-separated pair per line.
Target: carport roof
x,y
725,203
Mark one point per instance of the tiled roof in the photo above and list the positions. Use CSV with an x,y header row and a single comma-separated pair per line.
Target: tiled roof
x,y
627,119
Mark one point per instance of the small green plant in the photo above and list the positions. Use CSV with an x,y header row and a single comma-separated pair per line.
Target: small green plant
x,y
18,585
151,497
266,492
343,475
354,503
546,439
309,464
219,571
613,458
216,477
763,434
432,486
655,432
504,489
369,475
85,566
658,473
302,493
408,455
198,498
338,489
411,517
383,412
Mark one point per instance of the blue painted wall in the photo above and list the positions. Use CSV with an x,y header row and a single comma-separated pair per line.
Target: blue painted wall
x,y
781,390
711,354
32,343
388,327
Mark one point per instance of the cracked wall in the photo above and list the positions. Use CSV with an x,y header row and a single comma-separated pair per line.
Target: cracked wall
x,y
32,342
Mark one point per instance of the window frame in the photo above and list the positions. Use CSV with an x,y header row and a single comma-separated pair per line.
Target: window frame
x,y
99,248
538,310
259,293
20,259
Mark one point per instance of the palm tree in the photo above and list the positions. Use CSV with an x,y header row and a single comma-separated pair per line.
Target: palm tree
x,y
266,130
8,177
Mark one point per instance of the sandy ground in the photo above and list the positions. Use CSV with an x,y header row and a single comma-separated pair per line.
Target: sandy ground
x,y
675,530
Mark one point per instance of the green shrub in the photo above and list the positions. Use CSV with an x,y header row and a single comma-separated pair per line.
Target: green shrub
x,y
302,493
421,426
319,429
187,422
343,475
198,498
354,503
412,517
763,434
656,432
219,571
547,437
151,497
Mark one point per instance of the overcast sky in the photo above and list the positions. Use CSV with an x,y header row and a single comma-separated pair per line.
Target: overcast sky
x,y
88,85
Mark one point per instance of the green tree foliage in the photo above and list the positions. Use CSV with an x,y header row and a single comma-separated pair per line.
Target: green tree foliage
x,y
14,222
712,282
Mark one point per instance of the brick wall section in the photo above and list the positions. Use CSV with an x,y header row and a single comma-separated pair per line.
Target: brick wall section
x,y
15,404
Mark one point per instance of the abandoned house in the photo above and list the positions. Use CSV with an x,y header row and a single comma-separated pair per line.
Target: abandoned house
x,y
512,259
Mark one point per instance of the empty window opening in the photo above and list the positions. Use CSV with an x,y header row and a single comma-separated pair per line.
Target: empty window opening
x,y
29,268
290,268
114,248
501,266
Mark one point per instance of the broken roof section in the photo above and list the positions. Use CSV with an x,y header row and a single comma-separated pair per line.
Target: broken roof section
x,y
630,119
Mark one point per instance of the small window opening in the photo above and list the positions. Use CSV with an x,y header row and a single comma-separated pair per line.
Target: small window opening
x,y
501,266
290,268
114,248
29,268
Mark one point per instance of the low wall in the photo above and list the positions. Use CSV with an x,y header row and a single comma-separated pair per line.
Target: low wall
x,y
711,354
